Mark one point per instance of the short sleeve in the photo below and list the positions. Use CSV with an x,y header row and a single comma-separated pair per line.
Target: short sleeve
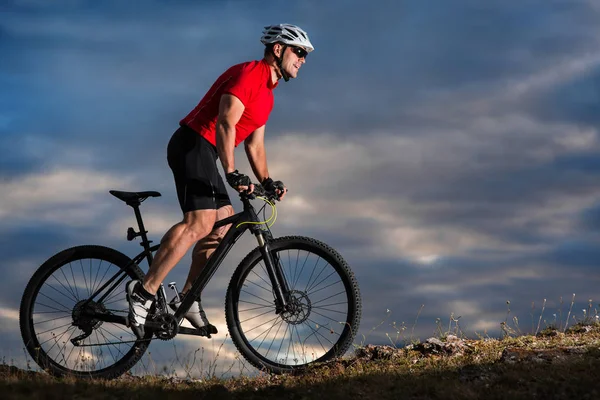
x,y
241,85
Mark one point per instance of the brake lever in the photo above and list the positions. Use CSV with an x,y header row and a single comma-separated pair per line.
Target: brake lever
x,y
261,191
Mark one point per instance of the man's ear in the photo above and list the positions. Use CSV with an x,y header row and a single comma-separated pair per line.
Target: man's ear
x,y
277,49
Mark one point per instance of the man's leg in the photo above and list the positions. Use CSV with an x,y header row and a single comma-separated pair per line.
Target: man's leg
x,y
195,226
176,242
205,247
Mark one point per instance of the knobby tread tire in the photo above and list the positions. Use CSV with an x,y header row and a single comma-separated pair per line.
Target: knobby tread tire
x,y
37,280
250,260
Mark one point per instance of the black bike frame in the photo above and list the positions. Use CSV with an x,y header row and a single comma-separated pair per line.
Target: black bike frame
x,y
240,222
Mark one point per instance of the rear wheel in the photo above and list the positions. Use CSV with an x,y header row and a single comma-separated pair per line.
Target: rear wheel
x,y
321,320
55,310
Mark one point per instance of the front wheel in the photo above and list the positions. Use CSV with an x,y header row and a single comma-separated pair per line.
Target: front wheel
x,y
321,319
58,307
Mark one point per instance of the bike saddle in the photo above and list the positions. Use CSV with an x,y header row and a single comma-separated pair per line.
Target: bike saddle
x,y
133,197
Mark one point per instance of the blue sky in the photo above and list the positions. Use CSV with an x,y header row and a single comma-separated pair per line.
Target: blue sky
x,y
449,150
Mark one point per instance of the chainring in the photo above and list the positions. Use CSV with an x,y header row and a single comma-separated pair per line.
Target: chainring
x,y
168,326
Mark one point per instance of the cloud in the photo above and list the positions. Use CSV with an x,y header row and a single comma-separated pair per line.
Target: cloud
x,y
9,314
56,196
449,152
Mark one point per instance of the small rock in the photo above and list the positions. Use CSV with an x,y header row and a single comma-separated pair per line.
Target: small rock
x,y
435,341
372,352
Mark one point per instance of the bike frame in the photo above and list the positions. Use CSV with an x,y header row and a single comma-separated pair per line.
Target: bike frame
x,y
240,222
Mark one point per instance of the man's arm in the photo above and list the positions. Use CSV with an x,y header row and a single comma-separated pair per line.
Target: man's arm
x,y
230,111
255,150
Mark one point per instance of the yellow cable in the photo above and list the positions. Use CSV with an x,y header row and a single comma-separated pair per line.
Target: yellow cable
x,y
275,218
273,215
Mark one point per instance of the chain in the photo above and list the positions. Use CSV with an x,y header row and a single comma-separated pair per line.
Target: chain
x,y
112,343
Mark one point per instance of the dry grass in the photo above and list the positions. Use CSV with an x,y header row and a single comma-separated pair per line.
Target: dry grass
x,y
554,361
477,372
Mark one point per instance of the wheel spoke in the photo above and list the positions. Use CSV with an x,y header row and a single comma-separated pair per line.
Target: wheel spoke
x,y
68,312
53,319
329,297
267,334
261,278
327,309
51,329
324,316
309,285
57,339
327,305
69,284
312,289
301,269
262,287
66,309
319,333
99,283
74,283
277,317
54,336
256,304
258,326
258,297
84,278
256,316
275,337
315,335
64,287
255,308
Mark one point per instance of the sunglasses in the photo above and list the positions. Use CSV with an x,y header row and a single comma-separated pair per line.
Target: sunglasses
x,y
300,52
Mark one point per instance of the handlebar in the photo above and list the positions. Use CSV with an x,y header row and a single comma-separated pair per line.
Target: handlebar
x,y
259,191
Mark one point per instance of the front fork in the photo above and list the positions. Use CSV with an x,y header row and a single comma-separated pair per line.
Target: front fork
x,y
280,286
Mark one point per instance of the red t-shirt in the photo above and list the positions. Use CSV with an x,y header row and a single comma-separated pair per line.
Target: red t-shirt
x,y
251,83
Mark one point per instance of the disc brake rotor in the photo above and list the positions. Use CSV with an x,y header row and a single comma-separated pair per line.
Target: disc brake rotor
x,y
298,308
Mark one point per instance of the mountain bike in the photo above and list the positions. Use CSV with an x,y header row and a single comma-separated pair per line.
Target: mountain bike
x,y
291,302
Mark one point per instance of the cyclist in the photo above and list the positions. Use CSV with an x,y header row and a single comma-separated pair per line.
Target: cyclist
x,y
235,109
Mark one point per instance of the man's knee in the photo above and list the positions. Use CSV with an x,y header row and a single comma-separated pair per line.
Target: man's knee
x,y
199,224
222,213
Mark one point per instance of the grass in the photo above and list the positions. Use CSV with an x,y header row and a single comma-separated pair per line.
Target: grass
x,y
556,360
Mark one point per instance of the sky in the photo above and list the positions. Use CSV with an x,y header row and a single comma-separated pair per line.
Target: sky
x,y
448,150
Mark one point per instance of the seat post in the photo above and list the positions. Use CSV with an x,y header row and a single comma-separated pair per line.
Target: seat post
x,y
138,216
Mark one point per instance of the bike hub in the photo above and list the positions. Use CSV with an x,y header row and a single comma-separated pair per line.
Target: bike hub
x,y
298,308
83,315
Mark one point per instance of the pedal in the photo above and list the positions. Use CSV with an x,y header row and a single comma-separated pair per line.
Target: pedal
x,y
207,330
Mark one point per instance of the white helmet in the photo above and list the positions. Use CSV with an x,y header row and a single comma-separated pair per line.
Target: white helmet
x,y
286,34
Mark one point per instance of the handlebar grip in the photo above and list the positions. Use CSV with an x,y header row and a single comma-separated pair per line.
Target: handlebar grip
x,y
259,190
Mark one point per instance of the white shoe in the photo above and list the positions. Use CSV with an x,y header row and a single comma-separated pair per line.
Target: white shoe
x,y
138,308
195,315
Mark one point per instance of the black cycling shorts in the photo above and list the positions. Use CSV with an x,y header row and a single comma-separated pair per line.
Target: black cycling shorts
x,y
193,160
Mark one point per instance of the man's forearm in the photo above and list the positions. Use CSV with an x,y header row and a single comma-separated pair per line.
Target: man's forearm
x,y
226,145
258,161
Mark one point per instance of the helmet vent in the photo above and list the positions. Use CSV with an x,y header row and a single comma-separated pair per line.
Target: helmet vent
x,y
286,34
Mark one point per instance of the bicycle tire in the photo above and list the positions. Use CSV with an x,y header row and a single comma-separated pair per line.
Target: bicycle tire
x,y
240,285
70,288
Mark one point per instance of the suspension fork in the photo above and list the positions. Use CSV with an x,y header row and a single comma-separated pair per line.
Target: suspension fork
x,y
280,286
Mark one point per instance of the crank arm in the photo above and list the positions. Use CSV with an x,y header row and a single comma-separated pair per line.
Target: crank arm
x,y
205,331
